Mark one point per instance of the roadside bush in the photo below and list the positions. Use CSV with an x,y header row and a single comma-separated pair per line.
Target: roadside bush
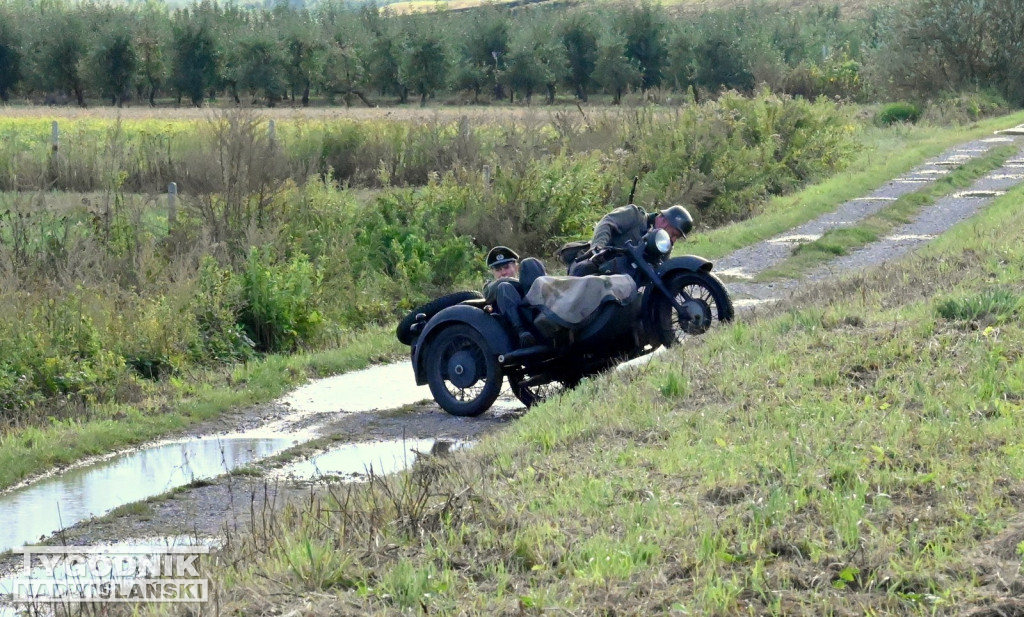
x,y
156,335
281,300
549,202
964,108
725,157
836,77
216,307
898,112
410,237
53,350
342,150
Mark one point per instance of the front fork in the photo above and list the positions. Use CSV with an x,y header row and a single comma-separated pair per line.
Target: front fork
x,y
652,275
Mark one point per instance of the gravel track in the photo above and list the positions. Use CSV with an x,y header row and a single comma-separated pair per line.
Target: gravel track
x,y
929,222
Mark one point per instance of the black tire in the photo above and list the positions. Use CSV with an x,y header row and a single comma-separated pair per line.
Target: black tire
x,y
462,372
708,300
536,394
404,330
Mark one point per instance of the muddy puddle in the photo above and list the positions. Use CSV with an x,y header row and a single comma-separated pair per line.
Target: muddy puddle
x,y
43,507
36,510
387,386
353,461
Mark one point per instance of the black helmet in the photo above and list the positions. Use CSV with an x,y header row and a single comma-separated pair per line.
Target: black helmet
x,y
500,255
678,217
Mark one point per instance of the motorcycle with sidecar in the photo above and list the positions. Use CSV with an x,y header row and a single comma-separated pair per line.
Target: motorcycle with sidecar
x,y
639,300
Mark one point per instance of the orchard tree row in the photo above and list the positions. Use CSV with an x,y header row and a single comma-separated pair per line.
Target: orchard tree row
x,y
56,52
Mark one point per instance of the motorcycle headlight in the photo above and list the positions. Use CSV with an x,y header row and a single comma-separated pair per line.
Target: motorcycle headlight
x,y
662,242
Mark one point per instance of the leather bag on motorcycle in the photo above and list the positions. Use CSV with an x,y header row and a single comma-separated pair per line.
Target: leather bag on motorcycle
x,y
570,251
568,303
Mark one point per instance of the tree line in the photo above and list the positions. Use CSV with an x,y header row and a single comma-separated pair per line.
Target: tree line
x,y
55,51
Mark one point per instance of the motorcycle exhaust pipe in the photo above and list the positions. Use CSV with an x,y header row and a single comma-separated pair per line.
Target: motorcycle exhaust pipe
x,y
523,354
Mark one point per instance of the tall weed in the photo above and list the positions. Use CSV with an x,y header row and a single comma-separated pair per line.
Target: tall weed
x,y
281,299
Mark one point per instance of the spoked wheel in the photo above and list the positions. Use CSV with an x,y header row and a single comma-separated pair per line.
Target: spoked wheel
x,y
534,393
463,374
704,301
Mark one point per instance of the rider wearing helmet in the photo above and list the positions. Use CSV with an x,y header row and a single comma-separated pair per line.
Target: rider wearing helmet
x,y
629,224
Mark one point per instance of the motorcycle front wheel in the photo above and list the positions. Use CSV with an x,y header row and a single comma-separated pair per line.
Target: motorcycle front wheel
x,y
462,372
705,301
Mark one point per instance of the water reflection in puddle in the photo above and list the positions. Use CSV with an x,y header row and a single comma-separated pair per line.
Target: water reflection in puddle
x,y
977,194
796,238
41,508
357,459
747,303
387,386
910,237
734,273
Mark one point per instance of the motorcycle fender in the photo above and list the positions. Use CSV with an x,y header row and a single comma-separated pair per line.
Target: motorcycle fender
x,y
471,316
691,263
683,263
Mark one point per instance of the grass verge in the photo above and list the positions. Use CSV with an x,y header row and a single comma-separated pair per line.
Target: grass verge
x,y
858,450
181,402
887,153
842,240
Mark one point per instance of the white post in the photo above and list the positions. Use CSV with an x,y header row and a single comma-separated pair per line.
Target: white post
x,y
272,132
54,136
172,206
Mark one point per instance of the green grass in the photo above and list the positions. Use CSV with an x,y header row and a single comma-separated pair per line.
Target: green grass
x,y
139,509
182,402
996,305
887,154
842,241
858,450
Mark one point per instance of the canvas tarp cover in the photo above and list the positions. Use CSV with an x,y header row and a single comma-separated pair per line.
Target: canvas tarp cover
x,y
568,301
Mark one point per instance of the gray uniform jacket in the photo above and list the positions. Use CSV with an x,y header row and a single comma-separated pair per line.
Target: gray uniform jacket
x,y
622,225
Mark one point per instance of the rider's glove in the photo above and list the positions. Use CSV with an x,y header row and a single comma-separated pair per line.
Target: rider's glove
x,y
589,254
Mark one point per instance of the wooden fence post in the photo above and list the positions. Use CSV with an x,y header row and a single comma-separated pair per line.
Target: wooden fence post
x,y
172,206
55,136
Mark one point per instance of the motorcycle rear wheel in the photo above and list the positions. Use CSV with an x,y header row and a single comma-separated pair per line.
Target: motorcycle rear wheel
x,y
463,373
704,297
536,394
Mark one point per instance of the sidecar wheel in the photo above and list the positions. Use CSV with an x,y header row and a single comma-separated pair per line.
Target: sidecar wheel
x,y
705,300
535,394
462,371
404,330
